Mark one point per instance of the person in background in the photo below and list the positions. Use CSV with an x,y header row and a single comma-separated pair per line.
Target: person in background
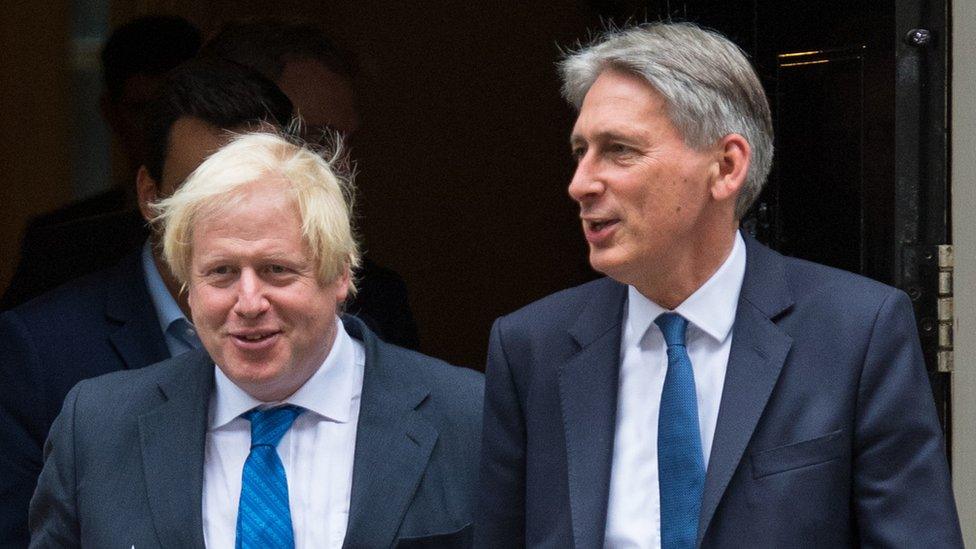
x,y
129,315
319,77
93,233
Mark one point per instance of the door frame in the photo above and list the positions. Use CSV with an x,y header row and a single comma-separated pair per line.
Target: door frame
x,y
963,184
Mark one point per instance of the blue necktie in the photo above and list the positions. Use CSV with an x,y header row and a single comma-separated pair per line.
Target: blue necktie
x,y
681,467
263,517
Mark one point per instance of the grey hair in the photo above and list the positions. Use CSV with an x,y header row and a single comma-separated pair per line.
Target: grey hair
x,y
709,87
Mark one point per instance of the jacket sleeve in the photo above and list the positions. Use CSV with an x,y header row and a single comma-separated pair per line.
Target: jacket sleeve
x,y
902,491
23,419
53,517
501,513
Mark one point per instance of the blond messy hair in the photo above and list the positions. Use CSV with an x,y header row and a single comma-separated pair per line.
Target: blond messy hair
x,y
319,183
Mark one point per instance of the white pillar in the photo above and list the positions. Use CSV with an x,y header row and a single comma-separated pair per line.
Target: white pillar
x,y
963,178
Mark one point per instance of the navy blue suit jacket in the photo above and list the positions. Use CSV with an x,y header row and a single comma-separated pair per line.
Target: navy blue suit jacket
x,y
98,324
827,435
125,458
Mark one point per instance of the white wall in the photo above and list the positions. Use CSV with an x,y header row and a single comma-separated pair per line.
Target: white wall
x,y
963,177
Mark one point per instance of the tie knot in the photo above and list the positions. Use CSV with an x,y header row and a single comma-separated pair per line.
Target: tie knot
x,y
268,426
673,327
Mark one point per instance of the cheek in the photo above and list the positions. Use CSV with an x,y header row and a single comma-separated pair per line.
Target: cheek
x,y
208,306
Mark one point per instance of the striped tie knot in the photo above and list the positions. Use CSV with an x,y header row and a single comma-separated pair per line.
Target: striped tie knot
x,y
673,326
268,426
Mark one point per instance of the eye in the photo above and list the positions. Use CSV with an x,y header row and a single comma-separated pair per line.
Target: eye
x,y
220,270
618,148
578,152
277,269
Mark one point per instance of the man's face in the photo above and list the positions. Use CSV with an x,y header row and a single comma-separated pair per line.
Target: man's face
x,y
191,141
126,115
324,99
643,193
257,304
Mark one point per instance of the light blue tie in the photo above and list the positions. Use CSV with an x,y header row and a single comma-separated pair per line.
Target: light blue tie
x,y
681,466
263,517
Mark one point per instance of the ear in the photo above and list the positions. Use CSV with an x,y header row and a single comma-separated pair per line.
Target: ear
x,y
341,285
147,192
734,154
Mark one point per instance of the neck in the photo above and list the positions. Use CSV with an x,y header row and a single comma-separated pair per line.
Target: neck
x,y
172,285
686,271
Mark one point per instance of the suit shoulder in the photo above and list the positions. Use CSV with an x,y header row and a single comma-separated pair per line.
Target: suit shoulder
x,y
139,385
563,307
81,297
815,283
456,393
440,374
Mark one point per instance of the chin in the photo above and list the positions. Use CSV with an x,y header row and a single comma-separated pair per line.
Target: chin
x,y
603,261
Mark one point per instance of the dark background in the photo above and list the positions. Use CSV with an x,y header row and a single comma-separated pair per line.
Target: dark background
x,y
463,154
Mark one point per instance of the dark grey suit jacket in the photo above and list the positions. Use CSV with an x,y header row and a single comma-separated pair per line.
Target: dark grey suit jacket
x,y
124,461
827,435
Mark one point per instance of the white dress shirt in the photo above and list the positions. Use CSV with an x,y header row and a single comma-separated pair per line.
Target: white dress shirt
x,y
317,452
634,508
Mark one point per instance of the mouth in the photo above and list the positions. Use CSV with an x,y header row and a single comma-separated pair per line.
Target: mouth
x,y
598,225
598,230
255,340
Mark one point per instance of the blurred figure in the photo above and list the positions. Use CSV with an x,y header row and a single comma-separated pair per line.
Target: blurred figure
x,y
309,67
318,77
293,427
67,243
129,315
135,61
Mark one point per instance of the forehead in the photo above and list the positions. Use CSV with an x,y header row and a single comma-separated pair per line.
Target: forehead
x,y
191,141
619,101
263,210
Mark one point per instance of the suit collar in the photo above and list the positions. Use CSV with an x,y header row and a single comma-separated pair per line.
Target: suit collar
x,y
600,313
765,283
393,443
173,438
759,349
588,398
137,336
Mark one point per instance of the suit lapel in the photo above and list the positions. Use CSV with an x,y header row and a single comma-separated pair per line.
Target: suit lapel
x,y
393,446
588,397
138,338
173,437
759,349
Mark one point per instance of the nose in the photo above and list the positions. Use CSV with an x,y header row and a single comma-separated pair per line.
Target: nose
x,y
586,183
251,301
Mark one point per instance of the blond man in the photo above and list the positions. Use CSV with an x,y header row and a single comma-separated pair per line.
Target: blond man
x,y
293,427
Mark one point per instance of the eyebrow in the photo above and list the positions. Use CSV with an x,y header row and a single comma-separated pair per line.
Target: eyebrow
x,y
603,136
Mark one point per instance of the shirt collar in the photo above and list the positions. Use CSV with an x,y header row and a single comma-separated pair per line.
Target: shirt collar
x,y
167,310
711,307
327,393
